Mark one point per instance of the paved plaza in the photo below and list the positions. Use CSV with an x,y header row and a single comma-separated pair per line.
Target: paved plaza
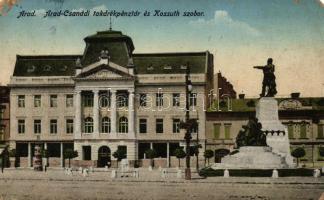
x,y
57,184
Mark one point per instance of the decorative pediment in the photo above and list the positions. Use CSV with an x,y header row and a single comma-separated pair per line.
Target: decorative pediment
x,y
290,104
104,70
103,74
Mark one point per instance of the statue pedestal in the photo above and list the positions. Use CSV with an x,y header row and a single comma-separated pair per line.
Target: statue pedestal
x,y
276,132
252,157
275,155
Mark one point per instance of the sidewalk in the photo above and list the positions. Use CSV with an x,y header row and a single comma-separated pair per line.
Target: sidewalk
x,y
101,175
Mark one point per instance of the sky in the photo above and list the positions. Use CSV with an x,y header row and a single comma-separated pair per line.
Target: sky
x,y
240,34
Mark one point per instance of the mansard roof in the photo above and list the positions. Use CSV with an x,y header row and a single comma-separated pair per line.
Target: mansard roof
x,y
120,48
170,63
45,65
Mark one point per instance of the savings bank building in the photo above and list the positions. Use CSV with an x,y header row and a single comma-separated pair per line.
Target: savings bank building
x,y
109,98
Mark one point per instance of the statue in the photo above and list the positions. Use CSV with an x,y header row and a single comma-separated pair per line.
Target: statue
x,y
269,79
251,135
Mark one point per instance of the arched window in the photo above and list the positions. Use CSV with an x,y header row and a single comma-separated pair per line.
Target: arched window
x,y
104,100
88,125
122,100
105,125
123,125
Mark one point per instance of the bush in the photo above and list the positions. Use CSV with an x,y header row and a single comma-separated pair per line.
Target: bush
x,y
298,153
209,172
205,172
119,154
179,153
151,154
70,154
295,172
208,154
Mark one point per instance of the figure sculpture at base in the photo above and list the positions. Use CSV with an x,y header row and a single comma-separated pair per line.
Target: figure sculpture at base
x,y
251,135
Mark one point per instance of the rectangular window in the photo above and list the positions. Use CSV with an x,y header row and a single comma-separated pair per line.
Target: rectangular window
x,y
176,99
303,130
53,101
21,126
53,126
159,99
320,130
88,100
21,101
227,128
37,101
195,128
216,131
193,99
290,131
159,126
143,125
143,100
69,100
37,126
86,152
176,126
69,126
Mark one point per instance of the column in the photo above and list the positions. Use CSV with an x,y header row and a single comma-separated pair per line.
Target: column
x,y
131,112
168,154
61,155
29,155
113,111
78,117
95,112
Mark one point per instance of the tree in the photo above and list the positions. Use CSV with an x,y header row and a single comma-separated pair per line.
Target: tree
x,y
70,154
119,154
45,154
151,154
298,153
179,153
208,154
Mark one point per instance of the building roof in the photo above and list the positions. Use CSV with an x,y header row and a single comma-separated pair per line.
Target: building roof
x,y
166,63
120,48
248,105
118,45
45,65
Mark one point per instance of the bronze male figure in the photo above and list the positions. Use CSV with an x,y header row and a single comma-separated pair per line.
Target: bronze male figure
x,y
269,79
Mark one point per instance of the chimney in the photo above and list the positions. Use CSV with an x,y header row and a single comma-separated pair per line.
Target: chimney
x,y
78,67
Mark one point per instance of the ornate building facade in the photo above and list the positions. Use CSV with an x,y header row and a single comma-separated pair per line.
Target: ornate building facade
x,y
109,98
304,118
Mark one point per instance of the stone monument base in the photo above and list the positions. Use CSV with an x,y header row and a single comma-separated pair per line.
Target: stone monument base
x,y
253,157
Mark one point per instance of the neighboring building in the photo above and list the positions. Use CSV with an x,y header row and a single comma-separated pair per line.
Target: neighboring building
x,y
4,114
106,99
223,87
304,118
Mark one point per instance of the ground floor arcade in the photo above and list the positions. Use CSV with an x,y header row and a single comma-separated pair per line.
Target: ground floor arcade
x,y
100,153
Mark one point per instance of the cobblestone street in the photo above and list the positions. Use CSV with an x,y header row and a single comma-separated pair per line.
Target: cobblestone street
x,y
55,184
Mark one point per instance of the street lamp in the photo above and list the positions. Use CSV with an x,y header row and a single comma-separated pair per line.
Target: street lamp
x,y
187,124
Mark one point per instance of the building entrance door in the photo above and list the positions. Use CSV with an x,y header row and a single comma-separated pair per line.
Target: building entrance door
x,y
104,156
